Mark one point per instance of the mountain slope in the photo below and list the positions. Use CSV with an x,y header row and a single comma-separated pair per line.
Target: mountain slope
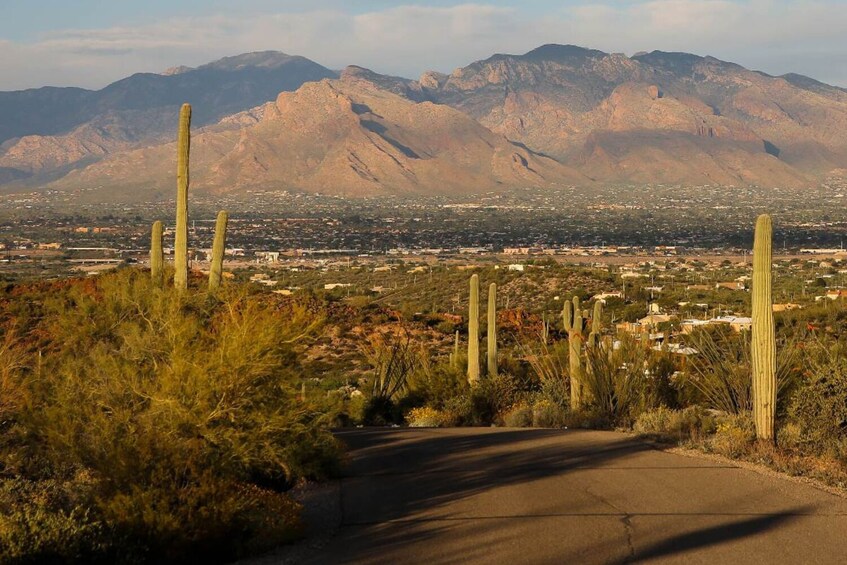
x,y
565,100
45,129
346,137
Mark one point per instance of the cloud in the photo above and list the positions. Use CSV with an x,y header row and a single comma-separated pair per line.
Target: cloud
x,y
771,35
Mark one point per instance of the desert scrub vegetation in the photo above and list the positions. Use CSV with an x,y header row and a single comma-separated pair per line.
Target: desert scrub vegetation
x,y
143,424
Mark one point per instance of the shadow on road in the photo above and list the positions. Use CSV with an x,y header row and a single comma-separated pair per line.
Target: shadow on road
x,y
716,535
414,488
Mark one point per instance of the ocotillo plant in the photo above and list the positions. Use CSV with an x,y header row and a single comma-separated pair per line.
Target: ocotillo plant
x,y
492,330
473,331
763,353
157,257
218,249
181,242
575,326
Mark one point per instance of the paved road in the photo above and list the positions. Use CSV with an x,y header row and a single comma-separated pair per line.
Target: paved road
x,y
542,496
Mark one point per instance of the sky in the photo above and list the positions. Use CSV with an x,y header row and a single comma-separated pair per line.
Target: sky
x,y
90,43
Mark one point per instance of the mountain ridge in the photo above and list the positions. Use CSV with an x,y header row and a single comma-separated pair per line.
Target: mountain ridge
x,y
577,115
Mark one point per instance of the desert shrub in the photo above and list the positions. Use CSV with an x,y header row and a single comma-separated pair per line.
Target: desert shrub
x,y
434,384
660,389
12,387
518,416
790,436
667,424
425,417
555,391
819,406
735,435
181,408
492,397
47,521
588,419
458,411
547,414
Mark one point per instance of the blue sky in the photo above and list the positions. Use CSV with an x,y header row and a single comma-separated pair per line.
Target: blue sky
x,y
90,43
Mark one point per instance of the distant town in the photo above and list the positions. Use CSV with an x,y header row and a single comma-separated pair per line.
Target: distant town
x,y
55,233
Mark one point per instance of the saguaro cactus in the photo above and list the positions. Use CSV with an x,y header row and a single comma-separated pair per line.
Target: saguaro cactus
x,y
763,339
473,331
157,257
596,324
574,325
492,330
181,242
218,249
454,357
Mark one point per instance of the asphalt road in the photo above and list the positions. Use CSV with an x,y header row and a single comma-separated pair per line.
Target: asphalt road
x,y
543,496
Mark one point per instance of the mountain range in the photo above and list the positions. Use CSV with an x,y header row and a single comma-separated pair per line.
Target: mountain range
x,y
557,115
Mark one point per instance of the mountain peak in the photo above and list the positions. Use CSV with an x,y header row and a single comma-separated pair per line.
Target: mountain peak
x,y
554,52
262,59
171,71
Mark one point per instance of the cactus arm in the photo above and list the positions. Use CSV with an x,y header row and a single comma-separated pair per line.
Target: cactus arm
x,y
567,316
597,318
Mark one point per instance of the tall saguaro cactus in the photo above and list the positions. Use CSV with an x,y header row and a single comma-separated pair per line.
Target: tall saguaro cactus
x,y
473,331
492,330
454,357
218,249
181,243
596,324
763,339
574,325
157,257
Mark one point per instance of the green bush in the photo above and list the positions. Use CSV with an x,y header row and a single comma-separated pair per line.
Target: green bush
x,y
735,435
425,417
692,423
518,416
181,408
492,397
819,406
435,384
546,414
47,521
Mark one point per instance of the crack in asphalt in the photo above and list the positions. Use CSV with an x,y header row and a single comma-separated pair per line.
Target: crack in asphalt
x,y
625,520
628,530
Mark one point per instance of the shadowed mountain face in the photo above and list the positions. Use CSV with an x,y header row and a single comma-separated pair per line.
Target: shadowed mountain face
x,y
45,130
665,117
559,114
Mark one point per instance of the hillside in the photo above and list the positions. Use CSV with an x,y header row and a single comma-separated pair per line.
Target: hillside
x,y
45,132
343,137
